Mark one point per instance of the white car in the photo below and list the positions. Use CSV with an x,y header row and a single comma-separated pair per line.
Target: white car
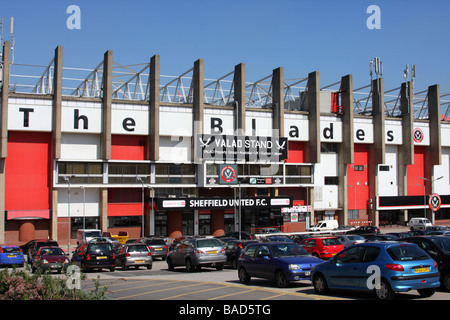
x,y
419,224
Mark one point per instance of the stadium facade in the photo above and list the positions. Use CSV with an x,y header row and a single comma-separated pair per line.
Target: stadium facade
x,y
204,160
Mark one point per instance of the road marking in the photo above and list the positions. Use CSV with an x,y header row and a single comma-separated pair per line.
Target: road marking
x,y
231,294
167,289
193,292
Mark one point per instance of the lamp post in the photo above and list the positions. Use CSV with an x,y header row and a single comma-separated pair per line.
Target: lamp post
x,y
84,207
143,204
424,199
68,213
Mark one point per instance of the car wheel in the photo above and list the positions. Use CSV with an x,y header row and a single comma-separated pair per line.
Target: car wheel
x,y
219,267
112,269
243,276
189,266
280,279
149,267
425,293
234,264
170,265
124,266
445,282
384,292
320,284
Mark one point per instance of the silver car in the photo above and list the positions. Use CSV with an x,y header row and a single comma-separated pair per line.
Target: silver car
x,y
134,255
350,239
195,253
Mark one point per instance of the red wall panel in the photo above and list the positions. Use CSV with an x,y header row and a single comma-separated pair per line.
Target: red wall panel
x,y
415,171
358,178
27,173
296,152
127,147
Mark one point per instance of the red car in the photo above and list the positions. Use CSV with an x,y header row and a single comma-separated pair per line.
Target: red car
x,y
323,247
49,259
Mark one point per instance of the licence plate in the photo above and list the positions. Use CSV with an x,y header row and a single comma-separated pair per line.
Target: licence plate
x,y
158,249
139,261
11,255
101,257
211,252
420,270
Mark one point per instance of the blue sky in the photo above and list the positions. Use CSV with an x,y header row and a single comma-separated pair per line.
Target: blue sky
x,y
301,36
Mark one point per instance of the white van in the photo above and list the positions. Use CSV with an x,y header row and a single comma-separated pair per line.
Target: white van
x,y
324,225
87,235
419,224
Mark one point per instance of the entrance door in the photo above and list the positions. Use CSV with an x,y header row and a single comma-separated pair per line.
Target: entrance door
x,y
187,223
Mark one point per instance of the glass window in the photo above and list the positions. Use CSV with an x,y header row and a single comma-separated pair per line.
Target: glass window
x,y
352,255
370,254
406,252
250,252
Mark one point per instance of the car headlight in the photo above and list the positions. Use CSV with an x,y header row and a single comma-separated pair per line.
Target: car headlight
x,y
294,267
66,261
44,261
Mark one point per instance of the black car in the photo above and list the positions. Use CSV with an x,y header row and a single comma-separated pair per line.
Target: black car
x,y
243,235
157,246
32,247
95,255
233,249
438,247
372,237
364,230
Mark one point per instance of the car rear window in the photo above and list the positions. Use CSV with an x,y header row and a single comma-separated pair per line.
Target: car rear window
x,y
140,248
100,248
204,243
10,250
330,242
406,252
443,243
157,242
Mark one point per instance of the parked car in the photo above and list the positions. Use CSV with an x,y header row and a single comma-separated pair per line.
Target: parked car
x,y
282,262
276,239
135,255
297,238
438,247
364,229
242,235
33,246
324,225
157,246
419,223
195,253
86,235
233,249
322,247
402,267
379,237
401,234
95,255
348,240
11,256
269,230
49,259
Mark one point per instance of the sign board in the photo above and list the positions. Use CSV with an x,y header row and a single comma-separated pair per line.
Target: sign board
x,y
232,148
223,203
434,202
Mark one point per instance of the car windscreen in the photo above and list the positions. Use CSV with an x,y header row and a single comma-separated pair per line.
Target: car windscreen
x,y
406,252
442,243
204,243
287,249
92,234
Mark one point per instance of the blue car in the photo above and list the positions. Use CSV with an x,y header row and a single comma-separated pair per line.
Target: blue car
x,y
11,256
282,262
384,268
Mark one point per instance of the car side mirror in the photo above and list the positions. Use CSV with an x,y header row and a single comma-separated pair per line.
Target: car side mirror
x,y
266,258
